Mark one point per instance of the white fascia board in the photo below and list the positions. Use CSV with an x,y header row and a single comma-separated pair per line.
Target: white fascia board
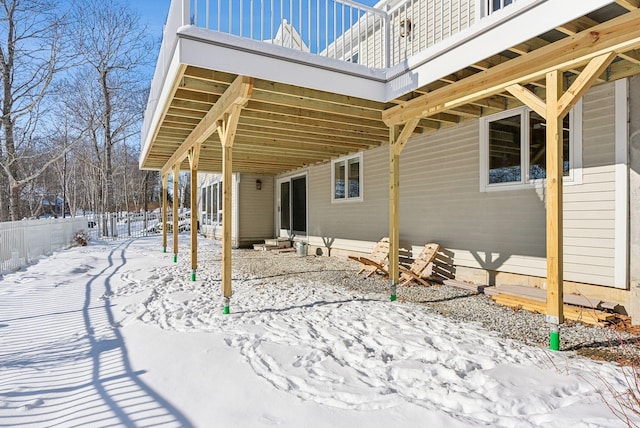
x,y
499,34
160,103
232,54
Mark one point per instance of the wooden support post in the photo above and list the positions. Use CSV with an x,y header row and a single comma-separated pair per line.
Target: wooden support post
x,y
397,141
194,155
227,130
223,117
176,177
394,209
554,109
165,190
554,200
227,176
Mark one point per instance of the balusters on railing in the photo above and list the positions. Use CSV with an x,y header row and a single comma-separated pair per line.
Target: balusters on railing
x,y
341,29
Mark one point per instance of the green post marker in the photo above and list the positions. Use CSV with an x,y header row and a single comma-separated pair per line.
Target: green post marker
x,y
554,337
165,250
175,258
393,291
225,310
193,275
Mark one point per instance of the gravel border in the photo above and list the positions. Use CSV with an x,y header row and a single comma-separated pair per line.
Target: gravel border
x,y
602,343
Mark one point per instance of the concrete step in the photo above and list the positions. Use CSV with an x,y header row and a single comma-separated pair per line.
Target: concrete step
x,y
278,242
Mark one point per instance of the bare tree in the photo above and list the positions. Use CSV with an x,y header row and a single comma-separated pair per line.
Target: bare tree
x,y
114,46
31,37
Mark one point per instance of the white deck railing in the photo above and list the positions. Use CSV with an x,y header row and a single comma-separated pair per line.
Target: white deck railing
x,y
377,37
22,242
307,25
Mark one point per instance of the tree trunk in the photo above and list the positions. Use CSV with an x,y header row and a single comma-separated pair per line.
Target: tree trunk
x,y
108,142
11,162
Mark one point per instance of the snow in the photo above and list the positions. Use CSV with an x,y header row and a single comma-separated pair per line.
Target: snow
x,y
117,334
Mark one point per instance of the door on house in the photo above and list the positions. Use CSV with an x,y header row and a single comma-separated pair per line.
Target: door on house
x,y
292,206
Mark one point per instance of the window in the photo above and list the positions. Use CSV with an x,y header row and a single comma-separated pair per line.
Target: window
x,y
212,203
513,149
346,179
494,5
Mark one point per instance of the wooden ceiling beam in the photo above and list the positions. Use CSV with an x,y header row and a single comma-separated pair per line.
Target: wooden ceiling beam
x,y
314,148
315,105
270,138
269,125
584,23
301,138
264,153
193,96
321,126
181,113
469,111
622,69
236,95
630,5
326,118
196,85
215,166
267,159
209,75
617,35
303,133
190,106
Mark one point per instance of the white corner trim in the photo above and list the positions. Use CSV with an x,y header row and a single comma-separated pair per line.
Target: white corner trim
x,y
235,203
577,122
621,267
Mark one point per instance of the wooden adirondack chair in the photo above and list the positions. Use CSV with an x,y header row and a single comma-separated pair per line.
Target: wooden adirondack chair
x,y
376,261
420,263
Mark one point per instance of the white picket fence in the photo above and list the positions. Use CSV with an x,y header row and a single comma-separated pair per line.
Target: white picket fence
x,y
22,242
115,226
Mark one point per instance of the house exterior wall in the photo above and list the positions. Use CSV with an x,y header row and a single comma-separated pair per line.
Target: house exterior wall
x,y
252,216
489,236
432,22
214,230
255,210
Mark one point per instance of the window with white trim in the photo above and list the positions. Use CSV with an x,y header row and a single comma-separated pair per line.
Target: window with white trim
x,y
212,204
346,179
513,149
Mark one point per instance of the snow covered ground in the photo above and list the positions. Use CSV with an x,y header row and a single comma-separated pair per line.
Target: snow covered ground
x,y
116,334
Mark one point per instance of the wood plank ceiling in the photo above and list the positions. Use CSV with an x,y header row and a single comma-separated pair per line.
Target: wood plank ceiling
x,y
284,128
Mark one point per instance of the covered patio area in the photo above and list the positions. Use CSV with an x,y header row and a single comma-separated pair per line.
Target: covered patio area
x,y
226,116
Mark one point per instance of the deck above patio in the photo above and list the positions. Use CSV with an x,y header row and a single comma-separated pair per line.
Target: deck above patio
x,y
312,102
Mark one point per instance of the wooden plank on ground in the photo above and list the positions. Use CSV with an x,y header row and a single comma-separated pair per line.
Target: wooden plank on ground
x,y
539,294
573,313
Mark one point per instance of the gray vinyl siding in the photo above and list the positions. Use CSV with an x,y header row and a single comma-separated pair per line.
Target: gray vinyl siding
x,y
501,230
589,209
253,216
432,22
256,216
345,220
